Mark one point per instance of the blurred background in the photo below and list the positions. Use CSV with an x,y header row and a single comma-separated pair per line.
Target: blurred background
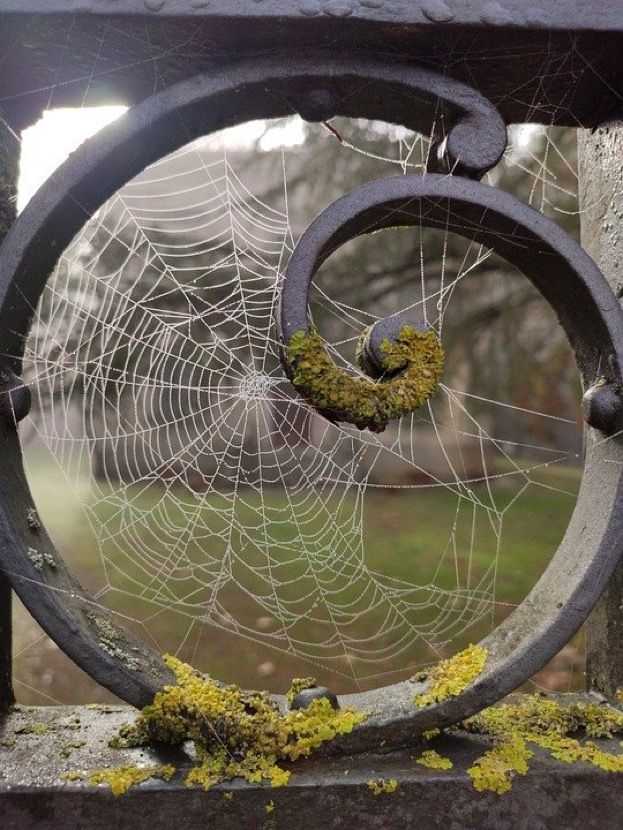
x,y
199,498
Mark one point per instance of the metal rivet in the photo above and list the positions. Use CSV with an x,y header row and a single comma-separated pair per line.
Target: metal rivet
x,y
307,696
370,351
602,407
494,13
317,105
309,9
339,8
437,12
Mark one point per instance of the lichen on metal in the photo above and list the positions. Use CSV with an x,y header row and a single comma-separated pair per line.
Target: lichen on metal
x,y
413,366
471,142
236,734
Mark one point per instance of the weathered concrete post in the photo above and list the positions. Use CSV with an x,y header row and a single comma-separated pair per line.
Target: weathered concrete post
x,y
601,199
9,167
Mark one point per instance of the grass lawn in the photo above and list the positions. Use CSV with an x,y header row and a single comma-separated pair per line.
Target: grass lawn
x,y
424,536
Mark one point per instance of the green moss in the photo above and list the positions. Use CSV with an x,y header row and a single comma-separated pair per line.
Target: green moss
x,y
450,677
237,734
417,356
433,760
547,724
122,778
32,729
379,786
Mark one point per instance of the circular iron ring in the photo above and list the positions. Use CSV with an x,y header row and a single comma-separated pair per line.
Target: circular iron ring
x,y
318,89
593,322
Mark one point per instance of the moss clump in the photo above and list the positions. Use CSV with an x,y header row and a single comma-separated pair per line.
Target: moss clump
x,y
544,723
72,775
450,677
32,729
299,684
121,779
433,760
416,356
66,750
237,734
379,786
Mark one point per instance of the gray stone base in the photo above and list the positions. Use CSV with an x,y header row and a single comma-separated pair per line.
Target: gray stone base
x,y
323,792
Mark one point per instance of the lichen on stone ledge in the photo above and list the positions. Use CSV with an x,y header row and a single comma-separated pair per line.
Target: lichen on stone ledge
x,y
433,760
544,723
414,365
122,778
379,786
300,684
452,676
236,733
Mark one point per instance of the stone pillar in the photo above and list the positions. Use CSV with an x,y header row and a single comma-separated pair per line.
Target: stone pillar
x,y
600,163
9,167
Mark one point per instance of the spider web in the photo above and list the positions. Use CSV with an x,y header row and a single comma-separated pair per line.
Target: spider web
x,y
221,508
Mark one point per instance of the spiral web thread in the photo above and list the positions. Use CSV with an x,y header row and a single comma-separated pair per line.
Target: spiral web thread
x,y
215,495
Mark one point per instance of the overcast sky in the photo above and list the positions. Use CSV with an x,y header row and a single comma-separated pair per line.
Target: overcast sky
x,y
59,132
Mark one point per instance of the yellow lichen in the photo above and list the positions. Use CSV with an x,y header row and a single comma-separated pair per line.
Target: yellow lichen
x,y
270,807
122,778
547,724
67,749
299,684
237,734
32,729
416,356
433,760
493,770
450,677
72,775
382,785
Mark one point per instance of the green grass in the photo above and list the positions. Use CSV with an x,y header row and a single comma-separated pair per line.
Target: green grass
x,y
407,537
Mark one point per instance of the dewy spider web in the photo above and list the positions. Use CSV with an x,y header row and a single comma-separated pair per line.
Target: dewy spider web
x,y
220,506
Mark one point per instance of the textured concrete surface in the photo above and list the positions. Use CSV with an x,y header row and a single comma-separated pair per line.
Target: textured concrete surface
x,y
323,792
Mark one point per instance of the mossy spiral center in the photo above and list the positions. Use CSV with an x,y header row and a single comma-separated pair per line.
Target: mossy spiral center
x,y
413,364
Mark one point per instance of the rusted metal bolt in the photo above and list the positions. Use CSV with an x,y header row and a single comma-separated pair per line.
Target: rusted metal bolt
x,y
307,696
602,408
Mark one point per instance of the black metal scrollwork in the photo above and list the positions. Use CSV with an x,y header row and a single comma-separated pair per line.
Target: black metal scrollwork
x,y
470,141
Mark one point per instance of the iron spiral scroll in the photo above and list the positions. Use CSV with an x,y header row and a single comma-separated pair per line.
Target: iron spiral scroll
x,y
470,141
